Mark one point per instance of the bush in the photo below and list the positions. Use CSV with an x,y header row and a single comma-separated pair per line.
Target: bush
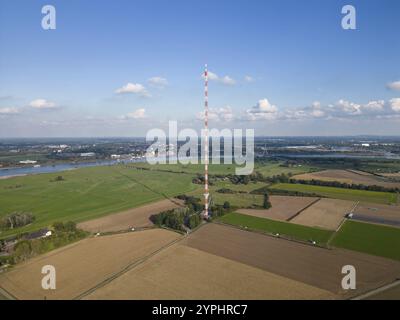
x,y
22,250
267,204
69,226
227,205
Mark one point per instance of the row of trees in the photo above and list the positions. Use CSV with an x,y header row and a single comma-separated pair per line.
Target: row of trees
x,y
338,184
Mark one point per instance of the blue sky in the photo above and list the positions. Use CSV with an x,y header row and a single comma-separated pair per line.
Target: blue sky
x,y
281,67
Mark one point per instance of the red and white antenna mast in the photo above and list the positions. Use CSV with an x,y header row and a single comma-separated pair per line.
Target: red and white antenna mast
x,y
206,194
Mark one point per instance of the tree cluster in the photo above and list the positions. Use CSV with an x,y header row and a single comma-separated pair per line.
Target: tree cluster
x,y
16,220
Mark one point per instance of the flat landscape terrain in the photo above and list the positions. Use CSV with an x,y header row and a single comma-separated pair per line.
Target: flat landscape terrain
x,y
315,266
273,227
84,264
182,272
390,294
137,217
349,176
283,207
370,238
340,193
378,213
326,213
86,193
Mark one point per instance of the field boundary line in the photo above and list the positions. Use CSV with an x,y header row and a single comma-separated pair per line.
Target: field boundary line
x,y
301,210
341,225
377,290
127,268
7,295
271,235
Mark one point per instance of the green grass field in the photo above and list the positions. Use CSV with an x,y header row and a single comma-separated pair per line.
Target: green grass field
x,y
273,168
270,168
86,193
284,228
369,238
340,193
192,169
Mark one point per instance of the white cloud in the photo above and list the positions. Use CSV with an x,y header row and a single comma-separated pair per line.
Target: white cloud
x,y
42,104
212,76
348,107
227,80
248,79
394,85
263,110
7,111
374,106
224,114
158,82
135,88
395,104
137,114
342,109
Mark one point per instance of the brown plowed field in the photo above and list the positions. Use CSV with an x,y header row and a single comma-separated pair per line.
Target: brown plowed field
x,y
326,213
389,294
181,272
382,213
348,177
315,266
283,207
137,217
83,265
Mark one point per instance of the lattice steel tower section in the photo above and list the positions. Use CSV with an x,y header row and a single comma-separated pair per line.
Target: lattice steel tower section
x,y
206,153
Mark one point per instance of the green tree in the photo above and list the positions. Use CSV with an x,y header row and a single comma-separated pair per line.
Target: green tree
x,y
227,205
194,221
267,204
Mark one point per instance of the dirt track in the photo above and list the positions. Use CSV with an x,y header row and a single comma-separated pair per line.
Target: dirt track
x,y
283,207
181,272
326,213
137,217
315,266
84,264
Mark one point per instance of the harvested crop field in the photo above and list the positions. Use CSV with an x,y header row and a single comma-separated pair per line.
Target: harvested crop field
x,y
346,176
378,213
326,213
137,217
391,175
393,293
84,264
283,207
312,265
181,272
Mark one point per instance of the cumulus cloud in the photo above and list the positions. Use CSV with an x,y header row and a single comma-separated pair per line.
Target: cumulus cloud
x,y
8,111
395,104
343,109
224,114
158,82
137,114
248,79
227,80
42,104
263,110
348,107
394,85
135,88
